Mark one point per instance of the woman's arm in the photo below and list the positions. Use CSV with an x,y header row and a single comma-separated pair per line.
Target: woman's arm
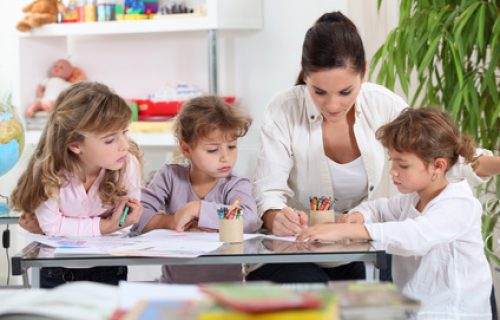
x,y
486,166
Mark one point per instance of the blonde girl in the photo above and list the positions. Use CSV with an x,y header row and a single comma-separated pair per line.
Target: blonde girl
x,y
82,174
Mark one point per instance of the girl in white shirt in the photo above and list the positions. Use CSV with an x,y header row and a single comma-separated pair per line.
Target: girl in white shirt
x,y
433,229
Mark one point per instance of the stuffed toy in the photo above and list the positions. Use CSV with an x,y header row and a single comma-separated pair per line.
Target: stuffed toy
x,y
39,12
60,75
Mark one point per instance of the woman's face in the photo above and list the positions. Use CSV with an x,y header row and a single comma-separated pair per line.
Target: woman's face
x,y
334,91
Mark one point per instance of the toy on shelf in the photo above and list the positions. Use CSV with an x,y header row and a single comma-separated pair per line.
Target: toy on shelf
x,y
61,75
39,12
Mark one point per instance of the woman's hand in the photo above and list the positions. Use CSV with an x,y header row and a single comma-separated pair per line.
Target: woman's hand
x,y
29,222
353,217
285,222
186,216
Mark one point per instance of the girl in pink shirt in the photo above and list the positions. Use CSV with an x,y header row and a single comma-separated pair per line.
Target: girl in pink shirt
x,y
82,174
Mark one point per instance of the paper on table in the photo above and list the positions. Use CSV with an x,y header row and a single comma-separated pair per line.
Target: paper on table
x,y
273,237
130,293
157,243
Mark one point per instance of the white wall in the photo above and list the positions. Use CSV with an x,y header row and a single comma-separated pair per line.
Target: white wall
x,y
253,65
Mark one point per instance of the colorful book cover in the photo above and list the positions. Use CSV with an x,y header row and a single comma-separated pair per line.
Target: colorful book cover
x,y
258,297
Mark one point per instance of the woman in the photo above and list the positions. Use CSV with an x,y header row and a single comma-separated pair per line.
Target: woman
x,y
318,139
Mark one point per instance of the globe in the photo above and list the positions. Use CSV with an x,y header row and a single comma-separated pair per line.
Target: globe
x,y
11,142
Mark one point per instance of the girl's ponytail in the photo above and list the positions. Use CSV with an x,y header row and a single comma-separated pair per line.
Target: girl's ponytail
x,y
466,148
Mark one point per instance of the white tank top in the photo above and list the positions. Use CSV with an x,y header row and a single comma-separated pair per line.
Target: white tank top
x,y
349,182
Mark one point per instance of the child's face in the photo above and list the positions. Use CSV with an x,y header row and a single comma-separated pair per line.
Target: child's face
x,y
409,173
105,150
213,155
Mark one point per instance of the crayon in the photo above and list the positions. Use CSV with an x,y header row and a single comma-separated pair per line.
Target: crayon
x,y
124,215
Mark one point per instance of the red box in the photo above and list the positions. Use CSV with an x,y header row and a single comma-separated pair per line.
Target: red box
x,y
164,108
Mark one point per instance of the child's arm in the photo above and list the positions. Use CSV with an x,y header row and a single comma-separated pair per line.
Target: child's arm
x,y
379,210
237,187
53,223
153,199
334,232
440,223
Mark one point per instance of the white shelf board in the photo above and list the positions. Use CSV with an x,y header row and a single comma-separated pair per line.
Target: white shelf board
x,y
143,139
121,27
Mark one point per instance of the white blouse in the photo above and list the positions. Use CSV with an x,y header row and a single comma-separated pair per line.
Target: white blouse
x,y
292,165
349,183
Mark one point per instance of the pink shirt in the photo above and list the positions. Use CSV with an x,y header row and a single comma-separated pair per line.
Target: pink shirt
x,y
78,213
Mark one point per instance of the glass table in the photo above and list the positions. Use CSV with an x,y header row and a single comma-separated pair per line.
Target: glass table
x,y
257,250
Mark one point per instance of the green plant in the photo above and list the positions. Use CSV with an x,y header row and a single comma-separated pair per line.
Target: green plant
x,y
452,49
490,219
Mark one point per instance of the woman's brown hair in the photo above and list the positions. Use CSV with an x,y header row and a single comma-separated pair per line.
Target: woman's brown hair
x,y
428,133
200,116
332,42
85,107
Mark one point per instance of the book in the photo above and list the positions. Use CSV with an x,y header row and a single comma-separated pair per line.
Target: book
x,y
211,310
374,300
328,311
259,297
77,300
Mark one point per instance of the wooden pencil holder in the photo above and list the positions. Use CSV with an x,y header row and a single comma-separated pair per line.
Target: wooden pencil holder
x,y
232,248
319,217
231,230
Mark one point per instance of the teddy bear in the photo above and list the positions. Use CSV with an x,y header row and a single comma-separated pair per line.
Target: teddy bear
x,y
59,79
39,12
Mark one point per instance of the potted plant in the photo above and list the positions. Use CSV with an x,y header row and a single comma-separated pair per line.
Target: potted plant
x,y
452,49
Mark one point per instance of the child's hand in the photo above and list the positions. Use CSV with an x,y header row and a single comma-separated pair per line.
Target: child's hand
x,y
326,232
353,217
335,232
29,222
111,224
187,215
134,212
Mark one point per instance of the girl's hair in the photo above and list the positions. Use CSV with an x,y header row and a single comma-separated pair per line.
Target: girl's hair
x,y
85,107
428,133
332,42
200,116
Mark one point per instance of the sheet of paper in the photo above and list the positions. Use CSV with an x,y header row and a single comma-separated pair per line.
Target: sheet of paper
x,y
130,293
273,237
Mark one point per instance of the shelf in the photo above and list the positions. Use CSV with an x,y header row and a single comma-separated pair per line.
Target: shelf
x,y
220,14
121,27
143,139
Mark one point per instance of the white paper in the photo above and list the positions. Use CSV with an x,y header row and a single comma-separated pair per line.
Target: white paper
x,y
156,243
273,237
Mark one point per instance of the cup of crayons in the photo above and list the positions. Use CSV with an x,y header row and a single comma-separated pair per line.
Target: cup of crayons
x,y
321,210
230,224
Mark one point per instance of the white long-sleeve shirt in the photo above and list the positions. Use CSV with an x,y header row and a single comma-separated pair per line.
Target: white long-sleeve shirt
x,y
438,255
292,164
